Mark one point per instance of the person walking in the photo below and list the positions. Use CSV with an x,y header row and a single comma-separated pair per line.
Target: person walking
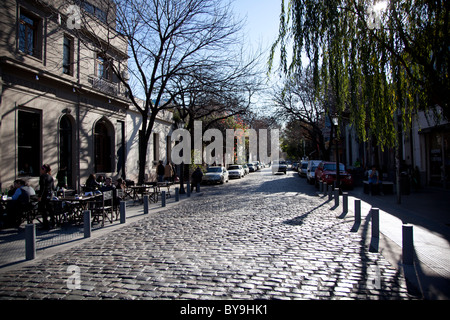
x,y
46,187
160,171
168,172
197,176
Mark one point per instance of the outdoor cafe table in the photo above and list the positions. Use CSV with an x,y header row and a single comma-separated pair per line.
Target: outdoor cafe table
x,y
73,207
138,192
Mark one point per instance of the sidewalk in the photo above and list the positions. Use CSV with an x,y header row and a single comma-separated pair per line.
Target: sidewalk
x,y
428,211
12,241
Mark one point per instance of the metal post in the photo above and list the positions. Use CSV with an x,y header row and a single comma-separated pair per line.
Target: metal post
x,y
123,211
330,192
408,244
87,223
344,202
163,198
375,240
336,197
146,204
375,223
30,241
188,189
358,211
320,186
177,194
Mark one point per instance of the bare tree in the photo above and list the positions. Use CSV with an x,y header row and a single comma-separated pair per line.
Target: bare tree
x,y
167,39
296,100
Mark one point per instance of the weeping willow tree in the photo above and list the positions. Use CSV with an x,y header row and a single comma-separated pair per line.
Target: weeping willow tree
x,y
371,60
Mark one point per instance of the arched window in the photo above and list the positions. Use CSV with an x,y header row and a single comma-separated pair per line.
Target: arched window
x,y
103,138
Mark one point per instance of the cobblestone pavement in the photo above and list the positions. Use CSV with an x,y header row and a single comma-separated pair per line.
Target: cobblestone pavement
x,y
263,237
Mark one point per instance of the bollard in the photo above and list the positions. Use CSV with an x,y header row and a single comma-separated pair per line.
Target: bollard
x,y
357,222
163,198
188,187
146,204
375,222
30,241
345,202
87,223
320,186
358,211
330,192
177,194
336,197
408,244
123,211
375,241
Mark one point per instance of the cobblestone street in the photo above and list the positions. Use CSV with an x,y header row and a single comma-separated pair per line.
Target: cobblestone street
x,y
263,237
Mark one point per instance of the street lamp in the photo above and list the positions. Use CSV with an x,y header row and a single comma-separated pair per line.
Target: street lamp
x,y
335,121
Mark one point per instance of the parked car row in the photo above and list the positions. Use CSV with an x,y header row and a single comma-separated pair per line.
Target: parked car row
x,y
325,171
219,174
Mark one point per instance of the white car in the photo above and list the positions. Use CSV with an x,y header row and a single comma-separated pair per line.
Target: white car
x,y
311,171
236,171
215,175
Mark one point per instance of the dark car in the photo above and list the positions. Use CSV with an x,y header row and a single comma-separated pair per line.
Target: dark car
x,y
326,172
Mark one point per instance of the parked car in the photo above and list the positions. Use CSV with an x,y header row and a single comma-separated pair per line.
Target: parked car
x,y
246,169
251,167
302,168
311,170
235,171
279,166
326,172
215,175
295,166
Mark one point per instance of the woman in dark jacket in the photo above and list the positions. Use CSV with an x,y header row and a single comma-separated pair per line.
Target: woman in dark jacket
x,y
46,187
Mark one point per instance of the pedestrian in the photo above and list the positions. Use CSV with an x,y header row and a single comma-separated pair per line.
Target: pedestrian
x,y
168,172
197,176
46,188
160,171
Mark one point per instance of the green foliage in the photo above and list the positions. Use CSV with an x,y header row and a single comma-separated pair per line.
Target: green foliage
x,y
369,69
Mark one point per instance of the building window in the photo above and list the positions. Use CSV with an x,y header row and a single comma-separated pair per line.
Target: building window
x,y
68,55
103,67
28,142
93,10
28,33
103,146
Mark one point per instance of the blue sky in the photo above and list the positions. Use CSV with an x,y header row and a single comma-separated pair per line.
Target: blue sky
x,y
262,19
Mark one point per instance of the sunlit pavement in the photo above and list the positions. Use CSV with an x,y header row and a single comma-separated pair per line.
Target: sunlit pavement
x,y
261,237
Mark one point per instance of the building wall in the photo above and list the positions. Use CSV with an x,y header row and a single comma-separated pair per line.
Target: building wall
x,y
38,84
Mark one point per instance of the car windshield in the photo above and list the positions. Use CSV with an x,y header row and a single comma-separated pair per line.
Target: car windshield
x,y
233,167
250,165
332,167
214,170
304,165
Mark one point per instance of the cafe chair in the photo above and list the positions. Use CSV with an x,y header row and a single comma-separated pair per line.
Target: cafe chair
x,y
103,208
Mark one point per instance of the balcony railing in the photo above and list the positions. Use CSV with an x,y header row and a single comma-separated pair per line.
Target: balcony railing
x,y
106,86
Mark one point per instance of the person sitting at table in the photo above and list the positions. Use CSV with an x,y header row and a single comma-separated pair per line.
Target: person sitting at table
x,y
120,184
108,186
19,203
374,181
92,184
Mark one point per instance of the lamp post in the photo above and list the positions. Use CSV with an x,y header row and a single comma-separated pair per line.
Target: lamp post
x,y
335,120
